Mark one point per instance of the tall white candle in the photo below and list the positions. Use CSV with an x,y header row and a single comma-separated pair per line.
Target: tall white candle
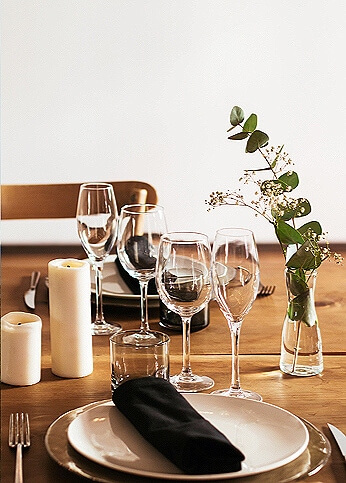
x,y
70,317
20,348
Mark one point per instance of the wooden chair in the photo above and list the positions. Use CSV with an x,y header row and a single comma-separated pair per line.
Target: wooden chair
x,y
36,201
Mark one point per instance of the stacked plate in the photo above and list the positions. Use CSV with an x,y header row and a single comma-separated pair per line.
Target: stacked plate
x,y
114,289
278,445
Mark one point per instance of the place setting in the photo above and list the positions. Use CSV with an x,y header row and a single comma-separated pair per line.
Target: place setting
x,y
98,439
163,426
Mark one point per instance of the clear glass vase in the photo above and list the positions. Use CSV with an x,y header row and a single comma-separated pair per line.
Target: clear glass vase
x,y
301,344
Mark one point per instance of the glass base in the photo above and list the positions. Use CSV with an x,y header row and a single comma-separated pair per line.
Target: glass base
x,y
241,394
301,370
191,383
142,338
104,328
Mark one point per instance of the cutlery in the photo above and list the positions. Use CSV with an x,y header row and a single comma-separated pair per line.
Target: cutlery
x,y
29,295
265,290
19,437
340,438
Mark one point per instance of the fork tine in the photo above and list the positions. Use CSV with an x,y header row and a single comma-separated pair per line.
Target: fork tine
x,y
266,290
11,431
26,430
17,429
19,437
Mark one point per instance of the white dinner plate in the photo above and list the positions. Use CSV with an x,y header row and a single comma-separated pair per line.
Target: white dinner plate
x,y
268,436
112,283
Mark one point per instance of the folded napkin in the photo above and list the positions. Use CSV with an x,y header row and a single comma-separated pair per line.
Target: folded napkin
x,y
139,251
168,421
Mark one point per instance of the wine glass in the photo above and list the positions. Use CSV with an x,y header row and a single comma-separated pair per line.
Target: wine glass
x,y
184,286
96,220
139,231
235,274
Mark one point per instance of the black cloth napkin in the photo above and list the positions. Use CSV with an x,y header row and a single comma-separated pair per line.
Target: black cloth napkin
x,y
132,283
139,251
168,421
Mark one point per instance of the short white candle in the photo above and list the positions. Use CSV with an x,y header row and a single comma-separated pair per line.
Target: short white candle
x,y
20,348
70,317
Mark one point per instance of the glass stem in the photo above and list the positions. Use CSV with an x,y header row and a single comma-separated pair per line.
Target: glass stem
x,y
99,318
186,369
144,305
235,334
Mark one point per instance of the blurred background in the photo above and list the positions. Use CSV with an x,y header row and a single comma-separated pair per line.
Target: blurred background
x,y
142,89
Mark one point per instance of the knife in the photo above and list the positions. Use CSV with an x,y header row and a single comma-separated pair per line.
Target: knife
x,y
29,295
340,438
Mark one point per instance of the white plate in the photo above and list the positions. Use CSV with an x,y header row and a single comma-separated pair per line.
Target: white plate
x,y
268,436
112,283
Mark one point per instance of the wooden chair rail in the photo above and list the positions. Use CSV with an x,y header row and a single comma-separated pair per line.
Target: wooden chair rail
x,y
45,201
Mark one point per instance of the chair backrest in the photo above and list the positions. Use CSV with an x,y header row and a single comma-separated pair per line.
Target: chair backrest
x,y
35,201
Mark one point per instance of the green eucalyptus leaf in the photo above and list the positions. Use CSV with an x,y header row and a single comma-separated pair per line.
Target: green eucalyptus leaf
x,y
251,123
239,135
302,308
290,179
296,283
237,116
296,307
303,208
295,208
307,257
258,139
287,235
271,187
313,226
282,212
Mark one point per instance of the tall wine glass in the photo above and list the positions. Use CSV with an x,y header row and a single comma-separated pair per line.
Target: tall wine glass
x,y
139,231
96,219
235,271
184,286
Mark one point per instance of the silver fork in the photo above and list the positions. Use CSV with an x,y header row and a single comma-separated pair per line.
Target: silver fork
x,y
19,437
265,290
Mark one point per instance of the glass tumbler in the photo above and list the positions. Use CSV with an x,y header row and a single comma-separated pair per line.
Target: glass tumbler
x,y
134,357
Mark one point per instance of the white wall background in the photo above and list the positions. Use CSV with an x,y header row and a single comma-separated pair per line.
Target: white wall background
x,y
142,89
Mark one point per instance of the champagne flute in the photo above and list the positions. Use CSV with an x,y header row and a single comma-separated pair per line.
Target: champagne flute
x,y
96,220
235,274
184,286
139,231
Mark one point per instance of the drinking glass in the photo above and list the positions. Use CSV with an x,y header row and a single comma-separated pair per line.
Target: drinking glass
x,y
139,231
235,275
133,357
184,286
96,220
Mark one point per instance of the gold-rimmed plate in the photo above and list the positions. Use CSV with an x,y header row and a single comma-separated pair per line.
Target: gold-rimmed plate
x,y
310,461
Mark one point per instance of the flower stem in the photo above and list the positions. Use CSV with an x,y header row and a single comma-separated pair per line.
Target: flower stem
x,y
296,348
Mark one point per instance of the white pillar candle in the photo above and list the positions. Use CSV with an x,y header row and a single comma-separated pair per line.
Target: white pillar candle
x,y
20,348
70,317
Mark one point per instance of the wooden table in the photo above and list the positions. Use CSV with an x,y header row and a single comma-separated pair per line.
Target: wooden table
x,y
318,399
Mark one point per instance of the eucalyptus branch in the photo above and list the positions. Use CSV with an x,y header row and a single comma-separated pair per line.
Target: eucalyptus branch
x,y
219,198
269,164
272,200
